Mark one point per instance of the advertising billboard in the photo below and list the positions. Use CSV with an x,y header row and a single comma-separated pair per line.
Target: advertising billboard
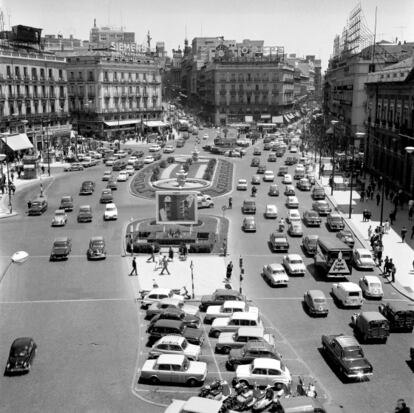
x,y
176,207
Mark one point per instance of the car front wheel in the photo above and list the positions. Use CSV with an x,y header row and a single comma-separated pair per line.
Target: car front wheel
x,y
192,382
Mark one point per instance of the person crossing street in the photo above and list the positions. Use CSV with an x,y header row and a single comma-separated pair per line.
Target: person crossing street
x,y
134,267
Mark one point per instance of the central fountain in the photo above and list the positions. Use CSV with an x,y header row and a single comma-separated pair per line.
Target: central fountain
x,y
181,177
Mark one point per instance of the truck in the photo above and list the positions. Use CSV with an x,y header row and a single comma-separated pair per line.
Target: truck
x,y
370,326
219,296
346,356
400,315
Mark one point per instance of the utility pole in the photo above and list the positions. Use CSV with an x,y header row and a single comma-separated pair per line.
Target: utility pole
x,y
241,273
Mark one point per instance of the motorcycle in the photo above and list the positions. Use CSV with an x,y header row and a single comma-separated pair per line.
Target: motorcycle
x,y
270,397
244,398
216,390
308,390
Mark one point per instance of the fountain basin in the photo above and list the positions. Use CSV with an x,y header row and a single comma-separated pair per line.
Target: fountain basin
x,y
189,185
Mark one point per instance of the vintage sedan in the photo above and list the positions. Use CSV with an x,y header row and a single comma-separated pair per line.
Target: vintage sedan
x,y
177,313
173,344
264,372
255,180
362,259
61,249
273,190
293,215
310,244
242,185
163,304
292,202
66,203
249,224
289,190
304,184
107,176
174,368
158,294
85,214
21,355
168,149
270,211
321,207
60,218
371,287
227,309
106,196
255,162
346,236
315,303
311,219
205,201
294,264
287,179
275,275
295,229
96,250
268,176
278,242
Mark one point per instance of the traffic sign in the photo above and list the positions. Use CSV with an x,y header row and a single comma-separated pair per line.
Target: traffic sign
x,y
339,266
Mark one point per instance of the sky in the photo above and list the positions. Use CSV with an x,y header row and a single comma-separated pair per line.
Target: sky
x,y
304,27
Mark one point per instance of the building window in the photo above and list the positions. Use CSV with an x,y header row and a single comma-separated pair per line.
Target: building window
x,y
50,74
8,70
17,71
80,76
249,77
60,74
90,76
25,71
42,73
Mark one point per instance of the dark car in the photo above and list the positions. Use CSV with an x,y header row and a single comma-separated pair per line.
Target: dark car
x,y
112,184
85,213
38,206
178,314
156,156
218,298
87,188
249,207
217,150
311,219
119,165
318,193
255,162
257,151
138,154
96,250
138,165
22,352
278,242
261,169
106,197
400,315
346,236
61,249
66,203
166,327
251,351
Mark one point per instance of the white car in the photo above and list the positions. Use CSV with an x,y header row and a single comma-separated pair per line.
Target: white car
x,y
371,286
292,202
123,176
175,345
264,372
271,211
294,264
275,275
169,149
130,170
347,294
242,185
293,149
154,148
60,218
227,309
268,176
287,179
149,159
293,215
195,404
158,294
205,136
174,368
363,259
110,161
205,202
111,212
107,176
132,160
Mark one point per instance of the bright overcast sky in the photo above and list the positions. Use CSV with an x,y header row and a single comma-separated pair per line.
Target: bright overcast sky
x,y
301,26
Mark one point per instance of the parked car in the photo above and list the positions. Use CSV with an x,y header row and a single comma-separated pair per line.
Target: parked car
x,y
219,296
278,242
66,203
174,368
248,207
60,218
178,314
175,345
227,309
163,304
316,303
242,185
96,250
321,207
234,322
166,327
311,219
106,196
249,352
21,355
294,264
61,248
85,214
271,211
362,259
346,236
249,224
371,287
335,222
205,202
275,275
76,166
156,295
310,244
273,190
123,176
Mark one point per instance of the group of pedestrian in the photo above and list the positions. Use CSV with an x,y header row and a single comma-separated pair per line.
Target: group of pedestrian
x,y
389,268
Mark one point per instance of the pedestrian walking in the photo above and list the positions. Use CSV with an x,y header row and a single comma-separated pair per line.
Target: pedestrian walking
x,y
12,176
386,265
380,249
134,267
152,254
43,169
365,214
171,254
229,270
12,188
403,233
393,270
164,266
371,195
386,226
369,231
29,204
392,217
378,197
230,203
362,196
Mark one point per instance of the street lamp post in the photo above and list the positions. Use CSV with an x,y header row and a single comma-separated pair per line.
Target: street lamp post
x,y
357,135
333,123
192,278
2,158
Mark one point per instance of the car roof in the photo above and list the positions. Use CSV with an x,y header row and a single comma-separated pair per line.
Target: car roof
x,y
224,291
372,278
266,362
251,345
316,293
347,341
349,286
168,323
372,316
170,358
197,404
271,206
85,207
97,238
251,331
67,197
171,339
61,239
294,256
21,342
275,266
245,315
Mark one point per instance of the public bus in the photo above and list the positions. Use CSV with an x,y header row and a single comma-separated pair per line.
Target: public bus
x,y
183,125
225,142
333,258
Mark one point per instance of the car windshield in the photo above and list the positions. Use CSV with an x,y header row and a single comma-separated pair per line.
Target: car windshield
x,y
60,244
20,352
319,300
353,353
59,214
35,203
296,261
375,285
365,256
97,244
110,209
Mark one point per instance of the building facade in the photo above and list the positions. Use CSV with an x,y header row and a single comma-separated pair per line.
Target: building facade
x,y
105,36
390,124
111,95
33,96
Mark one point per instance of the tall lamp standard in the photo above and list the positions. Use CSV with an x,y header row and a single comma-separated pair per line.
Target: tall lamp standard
x,y
2,158
358,135
333,123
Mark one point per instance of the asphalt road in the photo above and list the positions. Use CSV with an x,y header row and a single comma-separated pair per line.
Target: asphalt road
x,y
87,326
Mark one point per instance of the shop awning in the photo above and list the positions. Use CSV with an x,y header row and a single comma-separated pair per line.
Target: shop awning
x,y
122,122
266,125
239,125
17,142
286,118
155,124
277,119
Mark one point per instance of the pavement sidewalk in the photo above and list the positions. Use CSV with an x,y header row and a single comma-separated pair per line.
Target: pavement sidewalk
x,y
402,253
